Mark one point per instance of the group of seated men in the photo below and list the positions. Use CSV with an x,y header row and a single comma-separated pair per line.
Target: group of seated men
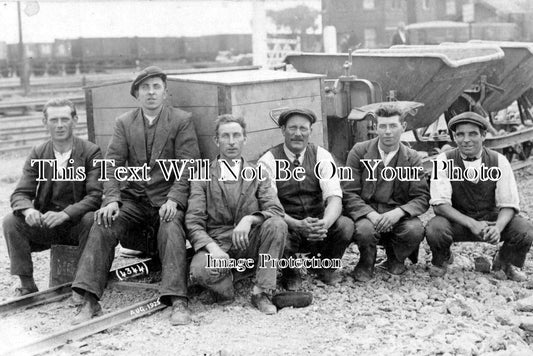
x,y
228,217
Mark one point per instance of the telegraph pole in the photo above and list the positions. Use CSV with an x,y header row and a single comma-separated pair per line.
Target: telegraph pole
x,y
23,65
259,35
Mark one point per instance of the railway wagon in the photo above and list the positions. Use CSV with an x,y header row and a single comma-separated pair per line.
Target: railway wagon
x,y
39,56
103,53
99,54
154,48
437,76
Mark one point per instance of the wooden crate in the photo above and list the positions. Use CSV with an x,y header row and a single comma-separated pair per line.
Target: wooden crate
x,y
252,94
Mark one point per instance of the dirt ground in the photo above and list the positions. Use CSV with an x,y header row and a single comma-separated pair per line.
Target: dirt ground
x,y
466,312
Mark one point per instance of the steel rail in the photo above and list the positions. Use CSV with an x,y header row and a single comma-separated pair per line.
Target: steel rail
x,y
46,296
139,268
88,328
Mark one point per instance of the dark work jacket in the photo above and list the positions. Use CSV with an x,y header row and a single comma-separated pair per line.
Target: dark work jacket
x,y
397,39
208,218
477,200
86,194
411,196
175,138
300,199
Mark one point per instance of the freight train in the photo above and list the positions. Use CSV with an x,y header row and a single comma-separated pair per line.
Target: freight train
x,y
99,54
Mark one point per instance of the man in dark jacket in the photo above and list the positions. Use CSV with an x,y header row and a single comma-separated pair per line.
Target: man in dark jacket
x,y
386,207
142,136
400,36
231,220
54,200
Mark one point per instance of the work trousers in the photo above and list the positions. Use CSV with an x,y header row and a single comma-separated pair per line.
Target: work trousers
x,y
402,242
517,237
97,258
338,238
267,238
22,239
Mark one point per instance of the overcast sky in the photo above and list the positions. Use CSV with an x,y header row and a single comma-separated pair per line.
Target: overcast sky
x,y
43,21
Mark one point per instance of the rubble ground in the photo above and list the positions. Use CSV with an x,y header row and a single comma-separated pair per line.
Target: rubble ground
x,y
464,313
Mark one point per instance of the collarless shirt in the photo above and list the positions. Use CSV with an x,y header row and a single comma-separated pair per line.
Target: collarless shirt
x,y
62,161
387,157
506,194
329,186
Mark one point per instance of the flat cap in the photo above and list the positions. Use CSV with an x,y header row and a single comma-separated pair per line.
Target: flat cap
x,y
287,114
146,73
468,117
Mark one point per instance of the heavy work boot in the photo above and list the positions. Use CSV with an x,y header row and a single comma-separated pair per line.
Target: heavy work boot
x,y
89,309
510,271
181,314
27,286
329,276
364,271
392,264
439,271
262,302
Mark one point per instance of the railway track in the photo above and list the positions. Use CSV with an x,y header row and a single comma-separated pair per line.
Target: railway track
x,y
120,274
21,133
117,277
88,328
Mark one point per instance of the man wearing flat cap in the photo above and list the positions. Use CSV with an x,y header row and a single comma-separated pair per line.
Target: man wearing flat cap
x,y
472,206
385,210
313,204
154,131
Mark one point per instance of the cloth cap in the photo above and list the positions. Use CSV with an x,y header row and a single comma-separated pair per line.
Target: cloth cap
x,y
468,118
286,115
146,73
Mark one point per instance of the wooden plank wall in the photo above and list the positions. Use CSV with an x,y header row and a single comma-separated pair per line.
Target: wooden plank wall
x,y
207,100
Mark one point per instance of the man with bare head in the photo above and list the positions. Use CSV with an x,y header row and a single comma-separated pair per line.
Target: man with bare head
x,y
58,209
231,218
385,210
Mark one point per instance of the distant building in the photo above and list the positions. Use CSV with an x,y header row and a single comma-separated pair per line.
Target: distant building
x,y
372,22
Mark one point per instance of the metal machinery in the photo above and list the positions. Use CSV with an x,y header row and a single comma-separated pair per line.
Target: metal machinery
x,y
447,79
432,76
494,93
